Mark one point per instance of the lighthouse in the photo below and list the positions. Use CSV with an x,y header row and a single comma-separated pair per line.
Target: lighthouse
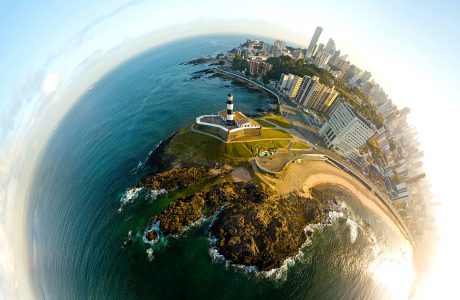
x,y
229,119
228,124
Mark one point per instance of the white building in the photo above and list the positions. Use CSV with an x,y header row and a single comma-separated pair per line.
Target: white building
x,y
278,48
312,46
314,95
285,83
346,130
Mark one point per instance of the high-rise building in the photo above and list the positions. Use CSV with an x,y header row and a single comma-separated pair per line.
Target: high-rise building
x,y
319,50
314,40
346,130
322,98
335,58
322,58
343,64
366,76
284,79
294,89
278,48
258,67
267,48
297,54
306,89
285,83
367,88
316,95
351,72
330,46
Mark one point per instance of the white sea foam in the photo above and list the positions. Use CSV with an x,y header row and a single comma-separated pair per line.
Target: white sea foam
x,y
150,255
153,194
141,163
184,231
130,195
335,214
216,256
155,227
354,228
275,273
375,247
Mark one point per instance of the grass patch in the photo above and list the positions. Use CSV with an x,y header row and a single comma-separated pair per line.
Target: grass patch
x,y
189,146
250,149
274,133
300,145
279,120
265,123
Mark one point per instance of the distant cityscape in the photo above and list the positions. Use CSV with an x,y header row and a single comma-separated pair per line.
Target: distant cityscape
x,y
344,110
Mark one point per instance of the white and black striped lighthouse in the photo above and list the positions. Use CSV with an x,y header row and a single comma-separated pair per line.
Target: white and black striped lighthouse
x,y
229,119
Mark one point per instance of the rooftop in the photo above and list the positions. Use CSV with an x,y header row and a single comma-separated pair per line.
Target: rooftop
x,y
218,121
359,116
239,118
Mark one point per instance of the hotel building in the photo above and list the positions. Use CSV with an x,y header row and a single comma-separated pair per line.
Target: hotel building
x,y
346,130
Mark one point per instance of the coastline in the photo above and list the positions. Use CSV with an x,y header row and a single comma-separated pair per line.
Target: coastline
x,y
254,85
307,175
380,203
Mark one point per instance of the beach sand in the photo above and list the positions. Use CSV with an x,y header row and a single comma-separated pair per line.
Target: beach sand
x,y
302,176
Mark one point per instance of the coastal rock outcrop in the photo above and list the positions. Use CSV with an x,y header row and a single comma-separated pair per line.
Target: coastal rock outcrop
x,y
265,233
177,177
188,209
252,225
182,212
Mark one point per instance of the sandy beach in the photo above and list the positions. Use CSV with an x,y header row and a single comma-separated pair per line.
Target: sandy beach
x,y
301,176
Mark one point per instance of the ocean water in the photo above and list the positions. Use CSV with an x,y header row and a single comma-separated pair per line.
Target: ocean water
x,y
76,231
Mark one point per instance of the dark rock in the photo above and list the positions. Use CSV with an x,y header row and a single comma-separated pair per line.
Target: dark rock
x,y
253,227
151,235
264,233
177,177
160,159
181,213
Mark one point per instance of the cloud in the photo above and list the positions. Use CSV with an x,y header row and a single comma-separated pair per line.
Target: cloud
x,y
22,94
50,83
83,35
42,82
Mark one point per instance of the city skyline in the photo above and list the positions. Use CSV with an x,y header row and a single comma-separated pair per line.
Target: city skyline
x,y
391,157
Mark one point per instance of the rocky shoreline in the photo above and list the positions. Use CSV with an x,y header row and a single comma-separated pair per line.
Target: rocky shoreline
x,y
253,227
212,72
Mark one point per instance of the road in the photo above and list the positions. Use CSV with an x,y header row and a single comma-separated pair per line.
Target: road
x,y
289,110
292,113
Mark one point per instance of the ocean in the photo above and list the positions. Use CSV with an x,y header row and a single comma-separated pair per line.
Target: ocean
x,y
95,157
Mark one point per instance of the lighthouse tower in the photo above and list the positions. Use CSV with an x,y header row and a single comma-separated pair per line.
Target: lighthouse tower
x,y
229,120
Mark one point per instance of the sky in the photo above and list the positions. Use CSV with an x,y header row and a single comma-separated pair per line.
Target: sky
x,y
50,52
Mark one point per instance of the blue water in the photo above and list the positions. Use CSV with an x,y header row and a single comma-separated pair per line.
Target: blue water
x,y
88,164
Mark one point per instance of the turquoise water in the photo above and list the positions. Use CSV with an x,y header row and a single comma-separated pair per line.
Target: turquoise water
x,y
90,163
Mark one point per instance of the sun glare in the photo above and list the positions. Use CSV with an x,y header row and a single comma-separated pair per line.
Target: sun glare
x,y
394,272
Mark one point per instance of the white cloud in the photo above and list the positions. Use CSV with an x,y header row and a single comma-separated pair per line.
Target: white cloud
x,y
50,83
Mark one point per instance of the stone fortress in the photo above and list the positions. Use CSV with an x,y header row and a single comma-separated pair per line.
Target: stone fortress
x,y
227,124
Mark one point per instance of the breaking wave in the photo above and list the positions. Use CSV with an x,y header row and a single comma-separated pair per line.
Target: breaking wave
x,y
130,195
153,194
133,193
354,229
141,164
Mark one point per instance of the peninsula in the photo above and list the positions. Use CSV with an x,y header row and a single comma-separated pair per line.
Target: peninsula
x,y
263,186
